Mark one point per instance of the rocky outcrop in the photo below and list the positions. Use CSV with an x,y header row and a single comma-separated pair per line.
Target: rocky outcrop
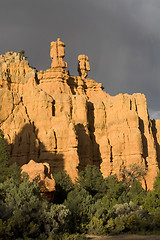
x,y
69,121
41,173
129,136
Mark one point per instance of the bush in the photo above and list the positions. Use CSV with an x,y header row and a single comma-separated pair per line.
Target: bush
x,y
136,193
6,171
132,173
100,208
63,186
151,203
126,217
92,181
76,236
20,203
2,228
115,188
79,202
26,215
96,227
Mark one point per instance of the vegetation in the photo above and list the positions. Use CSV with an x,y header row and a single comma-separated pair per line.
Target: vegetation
x,y
22,53
92,204
6,171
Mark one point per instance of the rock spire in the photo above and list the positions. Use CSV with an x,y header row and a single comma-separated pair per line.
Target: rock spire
x,y
69,121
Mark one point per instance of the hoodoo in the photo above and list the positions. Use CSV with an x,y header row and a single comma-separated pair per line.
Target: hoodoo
x,y
69,121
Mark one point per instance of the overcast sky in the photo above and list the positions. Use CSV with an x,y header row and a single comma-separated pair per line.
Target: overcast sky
x,y
120,37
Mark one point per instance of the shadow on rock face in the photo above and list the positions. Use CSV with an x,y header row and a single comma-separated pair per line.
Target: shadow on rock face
x,y
27,146
88,148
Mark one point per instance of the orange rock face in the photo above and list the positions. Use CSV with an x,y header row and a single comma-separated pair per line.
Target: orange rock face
x,y
69,121
41,173
83,66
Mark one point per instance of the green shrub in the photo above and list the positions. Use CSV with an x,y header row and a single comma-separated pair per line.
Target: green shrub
x,y
126,217
2,228
63,186
136,193
26,214
7,171
99,209
96,227
78,202
92,181
151,203
115,188
76,236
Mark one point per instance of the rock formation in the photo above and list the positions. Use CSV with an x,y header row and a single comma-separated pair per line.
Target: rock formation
x,y
69,121
83,66
41,173
57,54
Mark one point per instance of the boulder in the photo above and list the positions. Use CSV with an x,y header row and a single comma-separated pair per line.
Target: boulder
x,y
40,173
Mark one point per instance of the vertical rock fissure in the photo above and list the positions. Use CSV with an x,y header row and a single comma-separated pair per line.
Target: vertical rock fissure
x,y
154,132
29,119
53,108
144,142
130,104
55,141
96,155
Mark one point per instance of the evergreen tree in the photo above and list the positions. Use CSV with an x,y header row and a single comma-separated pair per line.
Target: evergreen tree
x,y
152,202
6,171
136,193
115,188
79,202
4,158
24,214
63,186
92,181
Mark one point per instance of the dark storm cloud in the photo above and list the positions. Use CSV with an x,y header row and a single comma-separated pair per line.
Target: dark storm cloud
x,y
121,38
133,51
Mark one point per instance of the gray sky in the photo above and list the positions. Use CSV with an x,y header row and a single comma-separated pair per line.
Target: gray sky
x,y
120,37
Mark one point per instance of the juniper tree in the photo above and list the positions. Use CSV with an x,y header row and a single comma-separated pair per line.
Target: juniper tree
x,y
6,171
4,158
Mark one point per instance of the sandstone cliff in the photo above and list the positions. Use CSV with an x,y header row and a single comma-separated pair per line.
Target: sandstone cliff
x,y
69,121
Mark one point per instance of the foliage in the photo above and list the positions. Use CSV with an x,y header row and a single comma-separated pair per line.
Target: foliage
x,y
96,227
100,208
132,173
93,200
76,236
152,201
156,185
22,53
115,188
92,205
6,171
136,193
4,158
91,180
19,203
26,214
126,217
53,219
63,186
79,202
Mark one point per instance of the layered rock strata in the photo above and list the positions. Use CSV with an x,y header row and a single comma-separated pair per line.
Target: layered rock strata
x,y
69,121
